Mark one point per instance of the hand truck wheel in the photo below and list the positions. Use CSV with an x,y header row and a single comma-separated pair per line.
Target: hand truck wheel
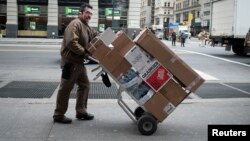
x,y
147,124
138,112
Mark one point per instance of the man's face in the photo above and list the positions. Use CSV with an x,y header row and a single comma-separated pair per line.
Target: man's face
x,y
85,15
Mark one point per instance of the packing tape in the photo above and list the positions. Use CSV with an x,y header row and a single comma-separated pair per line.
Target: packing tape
x,y
173,59
193,83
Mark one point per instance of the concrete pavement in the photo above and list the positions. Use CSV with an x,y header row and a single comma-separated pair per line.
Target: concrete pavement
x,y
30,41
31,119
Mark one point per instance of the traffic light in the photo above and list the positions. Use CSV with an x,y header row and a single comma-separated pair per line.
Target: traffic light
x,y
190,17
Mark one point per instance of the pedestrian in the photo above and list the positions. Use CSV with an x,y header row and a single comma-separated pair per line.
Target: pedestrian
x,y
183,39
202,36
73,50
134,35
173,38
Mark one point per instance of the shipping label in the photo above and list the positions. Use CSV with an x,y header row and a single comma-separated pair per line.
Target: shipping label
x,y
158,78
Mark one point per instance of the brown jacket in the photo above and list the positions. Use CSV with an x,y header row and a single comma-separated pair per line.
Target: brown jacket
x,y
77,35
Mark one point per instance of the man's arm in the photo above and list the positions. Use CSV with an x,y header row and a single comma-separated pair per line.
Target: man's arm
x,y
72,37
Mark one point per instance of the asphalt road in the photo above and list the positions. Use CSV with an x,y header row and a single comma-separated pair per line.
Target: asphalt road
x,y
226,75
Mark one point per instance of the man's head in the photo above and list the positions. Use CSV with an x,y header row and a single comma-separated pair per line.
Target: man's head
x,y
85,12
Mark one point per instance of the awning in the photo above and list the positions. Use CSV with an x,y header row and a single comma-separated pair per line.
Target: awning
x,y
196,24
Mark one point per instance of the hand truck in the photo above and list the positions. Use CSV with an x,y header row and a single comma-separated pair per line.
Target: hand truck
x,y
145,121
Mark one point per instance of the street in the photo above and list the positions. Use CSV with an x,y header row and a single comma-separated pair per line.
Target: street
x,y
225,73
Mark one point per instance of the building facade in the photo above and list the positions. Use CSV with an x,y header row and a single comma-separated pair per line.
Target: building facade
x,y
205,14
164,12
199,11
49,18
146,13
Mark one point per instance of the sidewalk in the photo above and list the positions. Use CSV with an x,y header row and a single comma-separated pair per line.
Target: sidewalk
x,y
30,41
31,120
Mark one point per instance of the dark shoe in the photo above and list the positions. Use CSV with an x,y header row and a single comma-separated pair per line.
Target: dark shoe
x,y
63,120
85,116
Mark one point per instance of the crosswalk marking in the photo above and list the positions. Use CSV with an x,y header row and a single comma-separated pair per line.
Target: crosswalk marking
x,y
206,76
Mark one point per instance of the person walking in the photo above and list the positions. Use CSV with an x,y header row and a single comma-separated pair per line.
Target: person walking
x,y
183,39
134,35
173,38
73,51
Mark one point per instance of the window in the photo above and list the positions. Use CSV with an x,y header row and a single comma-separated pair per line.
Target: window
x,y
206,4
206,13
118,20
72,2
35,19
33,2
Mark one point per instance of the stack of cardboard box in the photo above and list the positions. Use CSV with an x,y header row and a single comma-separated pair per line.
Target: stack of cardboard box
x,y
153,75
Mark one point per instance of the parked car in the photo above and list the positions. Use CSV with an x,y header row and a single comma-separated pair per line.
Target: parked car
x,y
159,35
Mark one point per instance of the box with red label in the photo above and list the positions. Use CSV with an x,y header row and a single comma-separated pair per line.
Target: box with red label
x,y
158,78
182,72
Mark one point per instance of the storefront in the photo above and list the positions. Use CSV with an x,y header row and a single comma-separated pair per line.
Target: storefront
x,y
66,15
35,18
2,18
67,11
112,14
32,18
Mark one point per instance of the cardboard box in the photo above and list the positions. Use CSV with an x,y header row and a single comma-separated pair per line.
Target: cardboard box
x,y
98,49
112,60
123,43
121,69
188,77
158,78
173,92
159,106
138,59
150,43
184,73
135,87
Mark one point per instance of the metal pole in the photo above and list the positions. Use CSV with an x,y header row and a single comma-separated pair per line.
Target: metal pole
x,y
113,9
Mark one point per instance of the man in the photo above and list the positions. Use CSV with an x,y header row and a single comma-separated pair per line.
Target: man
x,y
183,38
173,38
134,35
77,35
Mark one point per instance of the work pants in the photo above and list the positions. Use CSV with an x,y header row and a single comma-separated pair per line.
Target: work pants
x,y
72,74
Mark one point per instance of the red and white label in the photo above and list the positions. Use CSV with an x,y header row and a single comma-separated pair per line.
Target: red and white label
x,y
158,78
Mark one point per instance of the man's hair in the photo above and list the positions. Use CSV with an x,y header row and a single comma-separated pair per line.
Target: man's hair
x,y
84,5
